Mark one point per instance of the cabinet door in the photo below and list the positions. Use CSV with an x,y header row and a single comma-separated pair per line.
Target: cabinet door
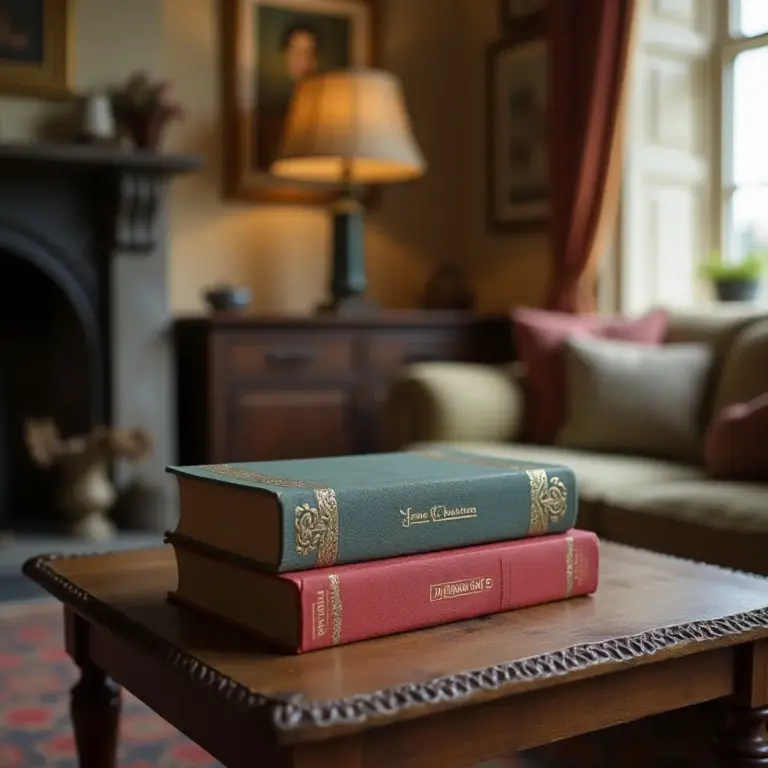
x,y
268,424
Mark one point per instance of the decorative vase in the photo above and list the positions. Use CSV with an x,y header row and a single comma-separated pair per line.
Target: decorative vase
x,y
736,290
85,498
98,118
448,288
228,298
147,130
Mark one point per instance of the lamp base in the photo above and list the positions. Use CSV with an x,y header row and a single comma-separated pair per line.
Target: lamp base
x,y
348,283
348,306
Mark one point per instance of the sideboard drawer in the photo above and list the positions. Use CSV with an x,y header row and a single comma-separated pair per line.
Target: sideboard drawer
x,y
252,388
390,351
288,354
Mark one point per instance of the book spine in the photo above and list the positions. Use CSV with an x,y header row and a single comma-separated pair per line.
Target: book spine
x,y
358,602
324,527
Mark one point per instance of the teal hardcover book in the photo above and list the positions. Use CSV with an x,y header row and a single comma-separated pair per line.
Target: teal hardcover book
x,y
310,513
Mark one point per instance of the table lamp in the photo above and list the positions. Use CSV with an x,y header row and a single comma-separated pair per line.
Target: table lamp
x,y
349,128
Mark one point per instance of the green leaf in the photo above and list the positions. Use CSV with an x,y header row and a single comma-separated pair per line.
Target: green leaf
x,y
750,268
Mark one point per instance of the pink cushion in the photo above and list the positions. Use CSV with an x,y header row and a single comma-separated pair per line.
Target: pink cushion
x,y
735,447
539,343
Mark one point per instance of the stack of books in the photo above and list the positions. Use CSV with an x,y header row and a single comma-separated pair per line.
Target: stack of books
x,y
314,553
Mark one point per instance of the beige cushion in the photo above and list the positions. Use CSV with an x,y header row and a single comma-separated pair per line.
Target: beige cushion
x,y
712,503
633,398
744,373
454,401
600,476
717,326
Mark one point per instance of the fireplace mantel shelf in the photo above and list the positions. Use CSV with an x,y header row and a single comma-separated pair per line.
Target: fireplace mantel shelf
x,y
94,156
133,180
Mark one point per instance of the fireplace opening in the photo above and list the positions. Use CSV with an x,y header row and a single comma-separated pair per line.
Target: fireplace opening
x,y
51,366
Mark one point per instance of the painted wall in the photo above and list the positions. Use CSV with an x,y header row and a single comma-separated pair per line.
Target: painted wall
x,y
100,58
436,46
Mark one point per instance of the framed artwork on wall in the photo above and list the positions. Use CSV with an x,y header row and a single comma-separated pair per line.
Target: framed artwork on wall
x,y
35,48
518,134
268,46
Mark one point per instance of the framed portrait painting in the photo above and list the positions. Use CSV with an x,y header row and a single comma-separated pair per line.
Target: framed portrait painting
x,y
518,134
34,48
269,46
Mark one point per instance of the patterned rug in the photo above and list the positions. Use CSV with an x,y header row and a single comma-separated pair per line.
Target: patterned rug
x,y
35,677
35,731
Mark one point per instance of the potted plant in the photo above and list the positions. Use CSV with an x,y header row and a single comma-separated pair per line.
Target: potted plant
x,y
142,108
735,280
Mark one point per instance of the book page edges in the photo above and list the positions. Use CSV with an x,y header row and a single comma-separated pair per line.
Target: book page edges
x,y
241,598
233,518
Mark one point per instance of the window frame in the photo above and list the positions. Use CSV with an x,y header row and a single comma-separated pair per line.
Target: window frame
x,y
730,43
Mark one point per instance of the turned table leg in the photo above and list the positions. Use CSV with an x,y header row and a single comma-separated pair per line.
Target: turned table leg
x,y
744,742
95,711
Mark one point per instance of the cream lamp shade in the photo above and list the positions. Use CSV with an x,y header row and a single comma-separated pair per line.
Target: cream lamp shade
x,y
349,126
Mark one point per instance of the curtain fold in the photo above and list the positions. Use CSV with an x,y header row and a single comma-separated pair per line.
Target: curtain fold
x,y
592,42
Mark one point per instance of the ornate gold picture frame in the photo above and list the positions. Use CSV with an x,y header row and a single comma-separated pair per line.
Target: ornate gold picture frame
x,y
266,46
35,48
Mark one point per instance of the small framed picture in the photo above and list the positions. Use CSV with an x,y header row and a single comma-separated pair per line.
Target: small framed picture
x,y
518,134
35,48
517,13
268,46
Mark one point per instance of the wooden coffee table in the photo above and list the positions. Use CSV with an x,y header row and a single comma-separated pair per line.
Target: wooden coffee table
x,y
660,634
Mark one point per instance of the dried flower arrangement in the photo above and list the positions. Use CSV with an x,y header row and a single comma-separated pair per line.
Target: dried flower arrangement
x,y
142,109
86,493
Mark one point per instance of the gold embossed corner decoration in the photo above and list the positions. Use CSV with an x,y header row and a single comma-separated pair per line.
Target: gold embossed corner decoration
x,y
317,528
549,500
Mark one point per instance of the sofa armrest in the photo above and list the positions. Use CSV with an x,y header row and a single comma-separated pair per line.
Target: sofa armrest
x,y
443,402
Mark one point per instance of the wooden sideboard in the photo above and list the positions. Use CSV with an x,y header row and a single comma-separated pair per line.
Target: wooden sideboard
x,y
253,388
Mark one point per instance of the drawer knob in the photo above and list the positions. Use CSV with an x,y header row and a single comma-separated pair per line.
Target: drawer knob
x,y
290,356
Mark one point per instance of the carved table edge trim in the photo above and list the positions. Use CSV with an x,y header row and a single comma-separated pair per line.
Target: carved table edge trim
x,y
292,711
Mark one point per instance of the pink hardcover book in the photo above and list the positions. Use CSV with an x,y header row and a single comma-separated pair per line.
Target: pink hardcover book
x,y
313,609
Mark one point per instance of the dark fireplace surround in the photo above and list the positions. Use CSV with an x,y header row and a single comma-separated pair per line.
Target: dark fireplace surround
x,y
84,317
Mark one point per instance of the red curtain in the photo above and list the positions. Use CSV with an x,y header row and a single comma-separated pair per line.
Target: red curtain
x,y
591,45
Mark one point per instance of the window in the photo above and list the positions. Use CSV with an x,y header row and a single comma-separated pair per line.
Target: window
x,y
668,198
696,170
745,129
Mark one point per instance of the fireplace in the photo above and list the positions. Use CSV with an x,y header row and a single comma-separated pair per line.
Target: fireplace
x,y
84,321
52,364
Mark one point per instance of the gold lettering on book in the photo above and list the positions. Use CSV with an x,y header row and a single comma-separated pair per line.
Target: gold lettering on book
x,y
549,497
239,473
319,614
336,607
461,588
317,528
569,566
437,514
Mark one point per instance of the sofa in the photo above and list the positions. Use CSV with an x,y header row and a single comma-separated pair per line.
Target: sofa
x,y
669,505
